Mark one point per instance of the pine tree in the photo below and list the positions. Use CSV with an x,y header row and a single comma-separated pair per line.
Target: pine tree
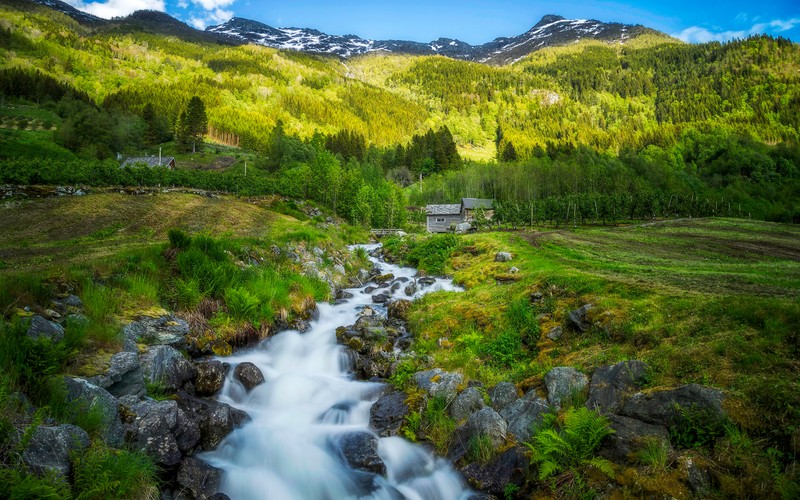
x,y
192,125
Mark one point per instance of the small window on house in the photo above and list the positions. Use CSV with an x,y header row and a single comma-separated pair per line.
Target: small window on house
x,y
440,220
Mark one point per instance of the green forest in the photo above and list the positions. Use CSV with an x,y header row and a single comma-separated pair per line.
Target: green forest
x,y
589,132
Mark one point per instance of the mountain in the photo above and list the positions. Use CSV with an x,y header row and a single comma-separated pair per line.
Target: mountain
x,y
65,8
551,30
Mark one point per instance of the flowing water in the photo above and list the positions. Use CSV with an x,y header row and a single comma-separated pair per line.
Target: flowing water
x,y
310,398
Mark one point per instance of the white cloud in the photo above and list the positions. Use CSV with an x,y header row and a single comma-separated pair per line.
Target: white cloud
x,y
216,16
117,8
213,4
698,34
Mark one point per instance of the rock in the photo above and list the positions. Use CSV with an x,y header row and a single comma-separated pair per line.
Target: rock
x,y
410,290
318,251
248,374
41,328
72,301
360,451
215,420
663,407
50,449
88,398
124,376
466,403
371,327
339,269
381,298
463,227
524,414
537,297
388,414
697,479
502,257
611,384
164,330
166,366
368,311
502,395
210,378
398,309
154,430
628,438
199,478
368,290
510,467
555,333
487,422
383,278
562,382
341,294
439,383
51,314
426,281
363,275
579,318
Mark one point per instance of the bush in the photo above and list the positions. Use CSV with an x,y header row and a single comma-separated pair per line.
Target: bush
x,y
431,254
178,239
695,427
103,472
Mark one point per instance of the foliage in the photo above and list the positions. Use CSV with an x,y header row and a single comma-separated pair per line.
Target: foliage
x,y
695,427
102,472
431,254
570,446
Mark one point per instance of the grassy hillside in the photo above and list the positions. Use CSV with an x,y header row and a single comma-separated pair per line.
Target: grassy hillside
x,y
712,302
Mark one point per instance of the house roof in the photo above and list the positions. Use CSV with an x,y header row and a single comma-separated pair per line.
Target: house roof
x,y
150,161
443,209
473,203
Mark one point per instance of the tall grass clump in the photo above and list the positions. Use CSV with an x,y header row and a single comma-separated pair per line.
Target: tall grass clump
x,y
101,304
431,254
242,305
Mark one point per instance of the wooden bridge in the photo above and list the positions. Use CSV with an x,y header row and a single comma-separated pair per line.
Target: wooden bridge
x,y
385,232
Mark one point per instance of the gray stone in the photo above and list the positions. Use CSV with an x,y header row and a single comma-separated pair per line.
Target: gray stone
x,y
41,328
339,269
524,414
562,382
248,374
502,395
71,301
89,397
466,403
210,378
502,257
697,479
555,333
510,467
579,318
611,384
165,330
398,309
165,365
50,448
388,414
663,407
629,437
154,430
124,376
426,281
410,290
381,298
215,420
463,227
439,383
360,451
318,251
488,423
198,478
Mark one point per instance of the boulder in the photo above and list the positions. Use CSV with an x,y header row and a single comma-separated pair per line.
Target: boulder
x,y
562,382
164,330
502,395
215,420
41,328
50,448
663,407
524,414
70,301
463,227
381,298
628,438
410,290
437,383
383,278
248,374
388,414
153,430
398,310
502,257
124,376
694,476
466,403
210,378
371,327
198,478
343,295
91,398
487,422
368,290
426,281
611,384
579,318
510,467
166,366
360,451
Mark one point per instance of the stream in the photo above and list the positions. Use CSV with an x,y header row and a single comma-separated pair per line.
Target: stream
x,y
308,402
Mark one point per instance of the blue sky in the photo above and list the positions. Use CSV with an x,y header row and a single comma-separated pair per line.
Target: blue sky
x,y
476,21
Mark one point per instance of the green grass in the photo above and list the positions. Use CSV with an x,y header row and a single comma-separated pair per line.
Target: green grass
x,y
103,472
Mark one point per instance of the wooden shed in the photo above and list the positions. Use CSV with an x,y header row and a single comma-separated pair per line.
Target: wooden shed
x,y
469,205
441,217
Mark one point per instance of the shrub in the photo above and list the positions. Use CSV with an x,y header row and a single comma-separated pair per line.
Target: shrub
x,y
694,427
242,305
431,254
178,239
570,446
187,293
505,349
437,424
480,449
102,472
654,453
20,485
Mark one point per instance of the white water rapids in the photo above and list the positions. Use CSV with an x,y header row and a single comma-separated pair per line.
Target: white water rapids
x,y
309,398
